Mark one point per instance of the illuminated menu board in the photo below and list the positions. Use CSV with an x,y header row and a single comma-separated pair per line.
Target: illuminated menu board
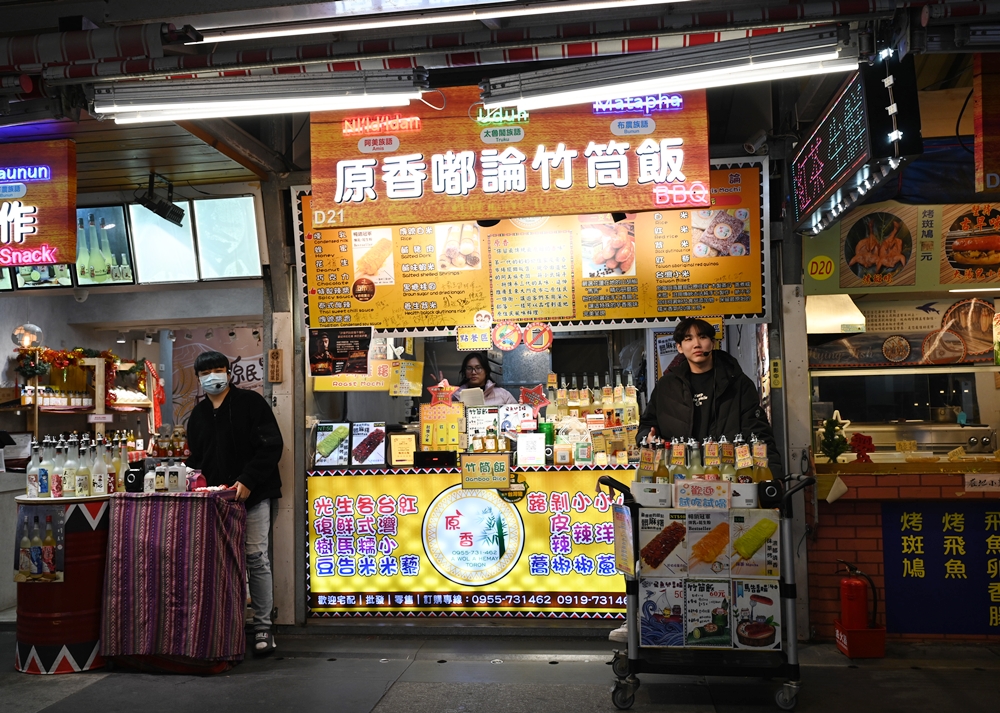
x,y
834,151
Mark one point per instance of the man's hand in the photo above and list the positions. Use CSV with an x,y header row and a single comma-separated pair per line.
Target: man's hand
x,y
242,492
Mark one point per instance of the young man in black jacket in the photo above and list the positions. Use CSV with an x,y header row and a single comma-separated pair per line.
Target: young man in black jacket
x,y
235,441
706,394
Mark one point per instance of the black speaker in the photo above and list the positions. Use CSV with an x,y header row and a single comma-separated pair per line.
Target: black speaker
x,y
548,455
133,481
769,493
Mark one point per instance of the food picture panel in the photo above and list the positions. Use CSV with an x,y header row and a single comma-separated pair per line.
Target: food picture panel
x,y
5,282
103,252
35,276
368,443
662,542
333,444
756,614
661,612
707,614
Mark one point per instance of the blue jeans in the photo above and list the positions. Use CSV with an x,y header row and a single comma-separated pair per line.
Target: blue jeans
x,y
258,566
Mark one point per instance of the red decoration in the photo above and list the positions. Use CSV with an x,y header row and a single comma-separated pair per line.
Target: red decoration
x,y
535,398
862,445
159,395
442,393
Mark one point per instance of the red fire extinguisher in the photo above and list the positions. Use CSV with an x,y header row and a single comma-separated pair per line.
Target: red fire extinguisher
x,y
854,599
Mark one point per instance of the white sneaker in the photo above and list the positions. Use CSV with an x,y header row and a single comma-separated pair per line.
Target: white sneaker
x,y
620,634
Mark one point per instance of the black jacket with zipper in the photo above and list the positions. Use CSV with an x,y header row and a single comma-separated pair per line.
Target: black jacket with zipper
x,y
734,409
239,441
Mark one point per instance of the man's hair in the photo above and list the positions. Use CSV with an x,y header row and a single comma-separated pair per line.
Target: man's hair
x,y
701,327
210,360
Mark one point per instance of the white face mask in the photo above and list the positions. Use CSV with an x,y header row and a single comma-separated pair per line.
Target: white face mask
x,y
214,383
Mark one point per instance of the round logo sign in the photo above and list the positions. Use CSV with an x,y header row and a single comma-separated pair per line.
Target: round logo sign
x,y
483,319
363,290
506,337
820,268
472,537
538,337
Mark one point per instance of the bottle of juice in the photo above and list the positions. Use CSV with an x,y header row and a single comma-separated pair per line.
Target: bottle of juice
x,y
678,460
696,468
761,471
648,456
573,398
662,474
727,458
744,460
584,398
712,463
562,397
618,396
631,403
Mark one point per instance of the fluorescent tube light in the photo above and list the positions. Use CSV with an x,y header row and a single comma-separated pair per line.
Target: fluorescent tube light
x,y
175,100
978,289
753,59
522,9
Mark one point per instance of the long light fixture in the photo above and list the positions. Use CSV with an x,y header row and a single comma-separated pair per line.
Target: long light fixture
x,y
176,100
415,19
753,59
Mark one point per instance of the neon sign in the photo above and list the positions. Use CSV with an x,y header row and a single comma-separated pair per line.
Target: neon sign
x,y
25,173
42,255
381,124
17,221
646,104
501,116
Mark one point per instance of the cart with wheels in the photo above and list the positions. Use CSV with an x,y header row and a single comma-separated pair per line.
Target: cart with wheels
x,y
636,659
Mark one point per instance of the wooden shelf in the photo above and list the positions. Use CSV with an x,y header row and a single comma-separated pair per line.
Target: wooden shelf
x,y
941,467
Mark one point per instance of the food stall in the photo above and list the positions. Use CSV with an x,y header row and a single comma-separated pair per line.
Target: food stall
x,y
445,230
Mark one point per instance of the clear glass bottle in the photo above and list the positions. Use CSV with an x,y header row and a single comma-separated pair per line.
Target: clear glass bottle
x,y
584,397
45,472
727,457
83,472
678,460
712,464
69,470
744,460
99,473
98,265
82,250
573,398
662,474
696,468
631,403
32,471
761,470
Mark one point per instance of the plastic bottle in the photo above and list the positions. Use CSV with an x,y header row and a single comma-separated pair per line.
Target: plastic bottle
x,y
161,477
83,472
696,468
710,448
727,456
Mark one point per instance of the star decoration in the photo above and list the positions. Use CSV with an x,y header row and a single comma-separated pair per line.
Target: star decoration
x,y
535,398
442,393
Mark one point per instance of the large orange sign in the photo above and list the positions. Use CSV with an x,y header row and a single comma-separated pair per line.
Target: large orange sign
x,y
464,163
38,203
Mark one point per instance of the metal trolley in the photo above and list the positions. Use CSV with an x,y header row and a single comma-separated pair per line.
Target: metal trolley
x,y
723,662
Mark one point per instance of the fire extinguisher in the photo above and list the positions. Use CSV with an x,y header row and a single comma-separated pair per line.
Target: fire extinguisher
x,y
854,599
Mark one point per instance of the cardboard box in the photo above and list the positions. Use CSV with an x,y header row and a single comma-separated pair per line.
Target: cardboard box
x,y
661,612
705,530
667,557
707,614
756,614
753,556
651,495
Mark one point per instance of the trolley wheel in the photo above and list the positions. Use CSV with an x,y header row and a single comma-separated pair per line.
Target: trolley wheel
x,y
619,666
621,698
785,701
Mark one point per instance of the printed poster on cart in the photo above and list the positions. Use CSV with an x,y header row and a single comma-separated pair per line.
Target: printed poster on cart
x,y
39,543
421,545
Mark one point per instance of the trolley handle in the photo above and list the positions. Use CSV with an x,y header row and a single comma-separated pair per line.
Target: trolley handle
x,y
612,485
802,482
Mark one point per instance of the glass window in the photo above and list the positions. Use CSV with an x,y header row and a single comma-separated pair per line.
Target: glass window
x,y
164,252
103,255
227,237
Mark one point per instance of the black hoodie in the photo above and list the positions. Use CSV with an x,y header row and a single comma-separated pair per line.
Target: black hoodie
x,y
735,407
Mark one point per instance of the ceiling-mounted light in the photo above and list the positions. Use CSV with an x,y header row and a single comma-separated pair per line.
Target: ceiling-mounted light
x,y
171,336
121,338
148,338
187,335
163,208
209,334
176,100
732,62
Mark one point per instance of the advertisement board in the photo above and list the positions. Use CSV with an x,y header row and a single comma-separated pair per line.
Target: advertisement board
x,y
419,544
456,161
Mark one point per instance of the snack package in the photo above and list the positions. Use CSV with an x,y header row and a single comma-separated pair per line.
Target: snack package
x,y
707,615
756,550
756,614
708,542
722,232
662,538
661,612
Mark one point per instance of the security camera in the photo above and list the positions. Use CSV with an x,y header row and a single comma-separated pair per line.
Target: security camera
x,y
80,294
756,143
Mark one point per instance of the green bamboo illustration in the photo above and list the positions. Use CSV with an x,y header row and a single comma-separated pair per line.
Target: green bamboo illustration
x,y
494,531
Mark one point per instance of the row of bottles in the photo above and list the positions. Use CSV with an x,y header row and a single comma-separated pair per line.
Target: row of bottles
x,y
739,461
94,259
48,396
169,477
618,404
37,555
77,467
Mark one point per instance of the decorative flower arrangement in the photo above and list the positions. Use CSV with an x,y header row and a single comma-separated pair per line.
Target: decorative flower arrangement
x,y
33,361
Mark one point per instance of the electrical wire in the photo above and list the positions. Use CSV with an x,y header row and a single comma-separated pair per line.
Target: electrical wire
x,y
958,122
444,99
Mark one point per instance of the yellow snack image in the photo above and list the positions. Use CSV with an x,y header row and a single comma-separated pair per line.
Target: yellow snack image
x,y
747,544
329,444
709,547
371,261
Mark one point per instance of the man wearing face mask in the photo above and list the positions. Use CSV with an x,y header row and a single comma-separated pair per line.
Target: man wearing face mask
x,y
235,441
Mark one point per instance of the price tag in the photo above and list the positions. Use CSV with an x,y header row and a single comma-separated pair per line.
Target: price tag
x,y
100,417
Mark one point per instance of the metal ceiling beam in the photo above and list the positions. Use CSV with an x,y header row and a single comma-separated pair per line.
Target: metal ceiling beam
x,y
230,140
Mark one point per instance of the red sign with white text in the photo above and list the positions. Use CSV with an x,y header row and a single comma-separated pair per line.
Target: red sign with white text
x,y
38,203
422,165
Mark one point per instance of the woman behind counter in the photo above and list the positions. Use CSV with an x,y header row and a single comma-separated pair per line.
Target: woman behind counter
x,y
476,374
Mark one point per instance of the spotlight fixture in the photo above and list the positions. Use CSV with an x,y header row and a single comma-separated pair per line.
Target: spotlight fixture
x,y
171,336
121,338
209,334
148,338
187,335
232,334
163,208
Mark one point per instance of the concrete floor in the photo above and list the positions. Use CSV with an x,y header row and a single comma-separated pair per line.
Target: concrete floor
x,y
349,674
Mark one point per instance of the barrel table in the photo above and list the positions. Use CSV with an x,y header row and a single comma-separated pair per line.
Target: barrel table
x,y
59,623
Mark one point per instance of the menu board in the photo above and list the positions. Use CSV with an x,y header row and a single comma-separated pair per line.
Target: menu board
x,y
895,247
604,268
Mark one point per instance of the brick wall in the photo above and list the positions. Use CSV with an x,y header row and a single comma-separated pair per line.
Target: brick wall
x,y
851,529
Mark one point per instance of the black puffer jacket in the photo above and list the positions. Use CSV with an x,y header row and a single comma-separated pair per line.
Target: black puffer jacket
x,y
735,409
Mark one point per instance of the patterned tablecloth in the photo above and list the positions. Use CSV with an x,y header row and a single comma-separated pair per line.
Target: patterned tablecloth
x,y
175,581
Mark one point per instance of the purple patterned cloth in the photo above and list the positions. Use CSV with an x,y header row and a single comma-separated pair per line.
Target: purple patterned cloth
x,y
176,577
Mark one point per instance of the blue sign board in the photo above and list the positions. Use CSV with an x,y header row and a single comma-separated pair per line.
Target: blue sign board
x,y
942,567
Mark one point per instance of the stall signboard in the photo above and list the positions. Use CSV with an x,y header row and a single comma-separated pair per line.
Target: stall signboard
x,y
38,203
947,552
339,350
455,161
389,545
910,333
378,378
485,470
566,271
894,247
986,107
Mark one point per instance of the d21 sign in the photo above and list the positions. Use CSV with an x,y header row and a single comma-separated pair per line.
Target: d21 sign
x,y
38,203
